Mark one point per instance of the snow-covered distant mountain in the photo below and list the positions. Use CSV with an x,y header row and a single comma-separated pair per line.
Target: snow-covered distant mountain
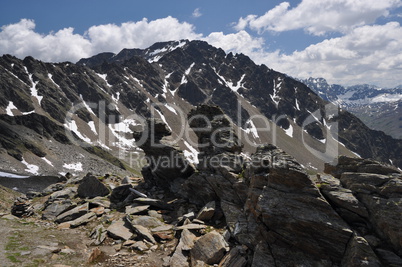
x,y
379,108
361,94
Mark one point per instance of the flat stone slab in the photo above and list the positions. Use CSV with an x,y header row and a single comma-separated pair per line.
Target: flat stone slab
x,y
118,230
191,226
130,210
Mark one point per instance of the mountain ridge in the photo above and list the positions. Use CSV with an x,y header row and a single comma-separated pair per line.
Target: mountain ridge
x,y
113,92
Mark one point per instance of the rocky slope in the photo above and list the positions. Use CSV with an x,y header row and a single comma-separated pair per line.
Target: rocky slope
x,y
378,108
66,117
230,210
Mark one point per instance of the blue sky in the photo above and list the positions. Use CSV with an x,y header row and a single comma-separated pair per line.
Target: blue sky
x,y
345,41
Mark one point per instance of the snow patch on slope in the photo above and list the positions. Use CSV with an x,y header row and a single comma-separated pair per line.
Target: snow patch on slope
x,y
10,107
31,168
230,84
250,128
191,154
34,91
104,77
72,126
51,78
289,131
73,166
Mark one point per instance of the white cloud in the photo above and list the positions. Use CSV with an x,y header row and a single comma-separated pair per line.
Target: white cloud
x,y
140,34
196,13
240,42
319,17
368,54
21,40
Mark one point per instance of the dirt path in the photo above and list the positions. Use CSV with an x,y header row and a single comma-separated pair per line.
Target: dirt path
x,y
25,243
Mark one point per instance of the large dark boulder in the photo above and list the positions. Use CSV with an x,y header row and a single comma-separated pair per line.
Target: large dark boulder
x,y
91,187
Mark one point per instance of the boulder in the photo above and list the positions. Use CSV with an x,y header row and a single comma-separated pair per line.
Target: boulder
x,y
121,196
56,207
66,193
186,243
284,198
72,214
344,198
167,163
91,187
208,249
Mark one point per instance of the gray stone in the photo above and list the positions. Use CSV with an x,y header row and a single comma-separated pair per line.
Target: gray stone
x,y
385,217
146,221
140,246
207,212
68,192
187,240
155,214
162,228
186,243
119,230
98,235
100,201
209,249
72,214
52,188
84,219
135,209
345,199
191,226
144,233
57,207
120,193
189,216
91,187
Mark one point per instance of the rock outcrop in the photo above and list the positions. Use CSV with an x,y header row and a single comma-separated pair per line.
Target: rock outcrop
x,y
284,216
167,165
368,195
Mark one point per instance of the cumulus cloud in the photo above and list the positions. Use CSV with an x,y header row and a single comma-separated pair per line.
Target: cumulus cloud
x,y
240,42
21,40
196,13
368,54
319,17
